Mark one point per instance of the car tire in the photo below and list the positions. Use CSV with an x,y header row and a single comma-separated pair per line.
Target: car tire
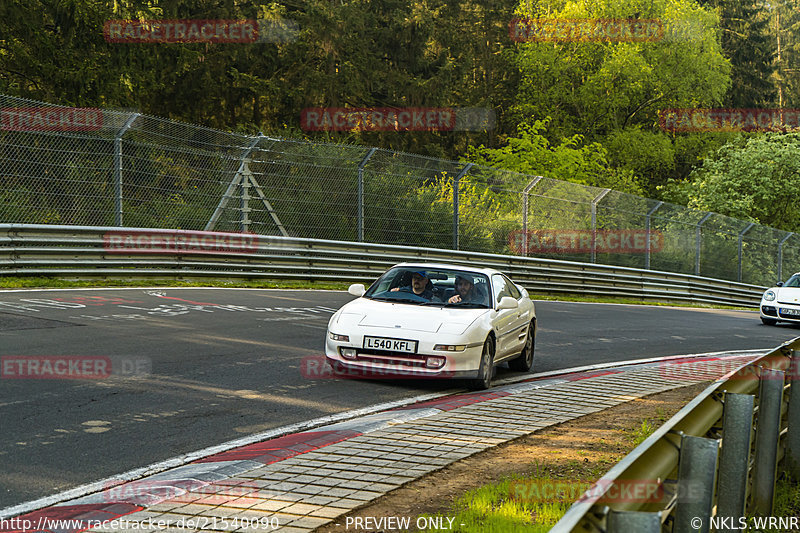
x,y
486,368
524,362
769,321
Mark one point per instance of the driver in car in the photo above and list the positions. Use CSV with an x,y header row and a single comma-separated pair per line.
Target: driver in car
x,y
419,285
466,292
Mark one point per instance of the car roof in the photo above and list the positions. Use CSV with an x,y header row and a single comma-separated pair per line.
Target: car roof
x,y
487,271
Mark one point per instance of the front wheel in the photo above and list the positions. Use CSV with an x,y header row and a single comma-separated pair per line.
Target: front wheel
x,y
486,368
524,362
769,321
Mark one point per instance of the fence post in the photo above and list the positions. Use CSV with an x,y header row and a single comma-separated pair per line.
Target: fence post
x,y
768,426
741,240
737,429
361,193
594,222
793,433
118,169
456,180
525,193
780,256
647,229
697,472
697,244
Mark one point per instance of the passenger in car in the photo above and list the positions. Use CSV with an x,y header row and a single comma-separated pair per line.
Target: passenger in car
x,y
466,292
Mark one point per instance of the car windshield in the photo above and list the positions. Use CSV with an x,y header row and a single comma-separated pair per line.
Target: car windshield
x,y
432,287
794,281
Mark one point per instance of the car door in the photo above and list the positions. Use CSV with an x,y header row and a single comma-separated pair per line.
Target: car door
x,y
509,324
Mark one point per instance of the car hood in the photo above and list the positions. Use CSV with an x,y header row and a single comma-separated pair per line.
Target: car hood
x,y
788,295
396,316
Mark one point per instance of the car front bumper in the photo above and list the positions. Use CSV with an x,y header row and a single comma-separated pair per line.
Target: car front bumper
x,y
376,364
780,311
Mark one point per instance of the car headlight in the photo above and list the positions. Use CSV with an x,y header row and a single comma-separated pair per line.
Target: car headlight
x,y
340,338
450,347
769,296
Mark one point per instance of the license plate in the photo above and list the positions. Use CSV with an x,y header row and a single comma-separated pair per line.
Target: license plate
x,y
793,312
390,345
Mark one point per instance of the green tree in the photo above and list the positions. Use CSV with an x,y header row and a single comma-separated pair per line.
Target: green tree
x,y
755,179
572,159
749,43
599,87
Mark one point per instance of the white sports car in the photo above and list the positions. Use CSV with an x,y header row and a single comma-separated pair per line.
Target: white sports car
x,y
434,320
782,302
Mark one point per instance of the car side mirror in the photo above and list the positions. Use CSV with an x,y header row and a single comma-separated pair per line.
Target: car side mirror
x,y
779,284
507,302
357,289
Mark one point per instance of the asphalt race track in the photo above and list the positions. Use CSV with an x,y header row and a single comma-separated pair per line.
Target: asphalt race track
x,y
177,370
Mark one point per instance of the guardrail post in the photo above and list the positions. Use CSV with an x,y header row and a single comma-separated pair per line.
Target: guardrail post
x,y
697,244
647,229
793,434
697,472
594,222
737,429
741,241
361,193
780,256
525,193
118,169
456,180
770,397
627,521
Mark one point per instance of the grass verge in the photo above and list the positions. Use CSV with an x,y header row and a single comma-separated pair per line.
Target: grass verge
x,y
787,497
536,502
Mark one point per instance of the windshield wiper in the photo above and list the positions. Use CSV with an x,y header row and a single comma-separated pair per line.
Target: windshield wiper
x,y
468,305
404,300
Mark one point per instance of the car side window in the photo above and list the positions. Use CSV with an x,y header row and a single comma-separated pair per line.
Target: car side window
x,y
513,289
500,287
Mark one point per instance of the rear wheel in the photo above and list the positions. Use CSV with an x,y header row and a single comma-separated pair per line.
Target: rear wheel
x,y
769,321
524,362
486,368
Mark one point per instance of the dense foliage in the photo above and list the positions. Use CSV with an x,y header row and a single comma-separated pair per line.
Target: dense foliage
x,y
581,111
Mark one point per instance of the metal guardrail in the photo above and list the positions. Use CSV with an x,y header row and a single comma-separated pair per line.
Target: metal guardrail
x,y
135,170
83,251
704,458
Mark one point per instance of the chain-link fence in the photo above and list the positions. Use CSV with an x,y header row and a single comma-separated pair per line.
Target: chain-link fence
x,y
117,168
